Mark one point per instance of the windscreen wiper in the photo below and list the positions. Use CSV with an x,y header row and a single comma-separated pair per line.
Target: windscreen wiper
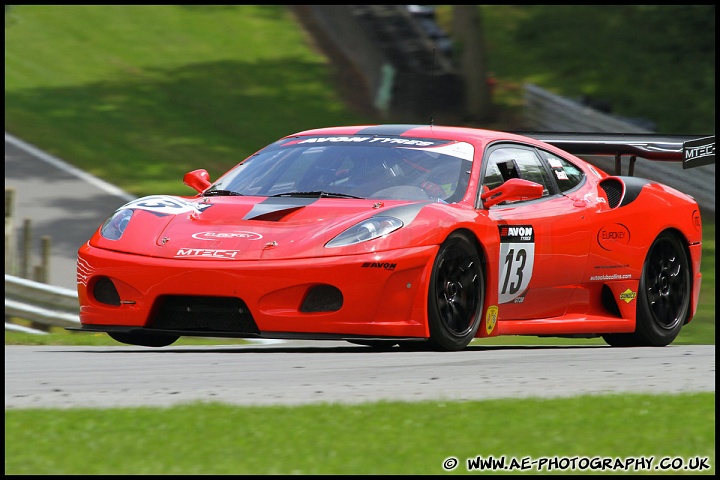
x,y
221,193
317,193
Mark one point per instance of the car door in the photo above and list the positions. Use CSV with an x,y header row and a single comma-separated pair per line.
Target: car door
x,y
543,242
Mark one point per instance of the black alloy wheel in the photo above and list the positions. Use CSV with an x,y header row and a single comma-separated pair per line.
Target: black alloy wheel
x,y
664,295
456,294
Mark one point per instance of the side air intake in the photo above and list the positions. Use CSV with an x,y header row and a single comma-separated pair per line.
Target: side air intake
x,y
613,188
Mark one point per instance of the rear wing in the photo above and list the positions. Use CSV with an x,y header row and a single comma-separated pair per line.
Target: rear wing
x,y
691,150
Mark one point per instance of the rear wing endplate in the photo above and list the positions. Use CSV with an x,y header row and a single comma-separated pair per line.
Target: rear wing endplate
x,y
691,150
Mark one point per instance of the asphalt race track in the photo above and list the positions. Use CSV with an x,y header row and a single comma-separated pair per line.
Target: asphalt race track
x,y
292,373
60,202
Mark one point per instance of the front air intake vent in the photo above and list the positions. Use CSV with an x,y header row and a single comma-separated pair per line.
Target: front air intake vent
x,y
105,292
322,298
614,190
203,314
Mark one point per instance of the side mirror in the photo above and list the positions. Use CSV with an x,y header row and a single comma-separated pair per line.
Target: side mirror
x,y
513,190
198,180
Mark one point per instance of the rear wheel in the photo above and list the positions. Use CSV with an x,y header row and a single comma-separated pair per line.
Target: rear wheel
x,y
144,339
456,294
663,298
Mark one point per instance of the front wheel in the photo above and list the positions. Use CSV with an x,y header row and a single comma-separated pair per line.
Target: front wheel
x,y
456,294
663,298
144,339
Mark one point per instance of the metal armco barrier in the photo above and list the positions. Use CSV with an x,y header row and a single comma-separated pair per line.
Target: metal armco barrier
x,y
40,303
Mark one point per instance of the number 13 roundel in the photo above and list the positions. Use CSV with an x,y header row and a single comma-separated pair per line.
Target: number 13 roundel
x,y
517,255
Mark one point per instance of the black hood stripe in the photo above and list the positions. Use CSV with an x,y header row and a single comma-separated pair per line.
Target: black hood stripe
x,y
277,204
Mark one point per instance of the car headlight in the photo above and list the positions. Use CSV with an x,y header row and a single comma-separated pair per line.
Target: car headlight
x,y
366,230
114,226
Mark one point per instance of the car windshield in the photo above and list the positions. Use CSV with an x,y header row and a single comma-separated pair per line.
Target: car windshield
x,y
358,166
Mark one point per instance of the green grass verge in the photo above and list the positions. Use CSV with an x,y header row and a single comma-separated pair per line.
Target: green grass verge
x,y
380,438
632,57
701,330
161,90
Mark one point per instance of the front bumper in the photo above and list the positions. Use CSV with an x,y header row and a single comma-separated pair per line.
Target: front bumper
x,y
370,295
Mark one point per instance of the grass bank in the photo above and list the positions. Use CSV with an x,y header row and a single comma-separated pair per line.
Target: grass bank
x,y
380,438
160,90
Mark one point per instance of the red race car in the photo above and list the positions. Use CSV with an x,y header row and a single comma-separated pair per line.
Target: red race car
x,y
407,235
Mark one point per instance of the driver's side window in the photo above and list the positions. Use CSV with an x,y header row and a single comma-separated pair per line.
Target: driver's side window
x,y
507,162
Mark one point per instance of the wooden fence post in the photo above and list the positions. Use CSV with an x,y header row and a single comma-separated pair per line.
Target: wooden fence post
x,y
46,243
27,250
10,253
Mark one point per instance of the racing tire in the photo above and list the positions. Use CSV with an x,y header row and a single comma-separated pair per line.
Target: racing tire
x,y
144,339
663,303
455,295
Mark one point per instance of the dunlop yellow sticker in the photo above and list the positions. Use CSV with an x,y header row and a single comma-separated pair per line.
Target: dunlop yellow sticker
x,y
628,295
491,319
